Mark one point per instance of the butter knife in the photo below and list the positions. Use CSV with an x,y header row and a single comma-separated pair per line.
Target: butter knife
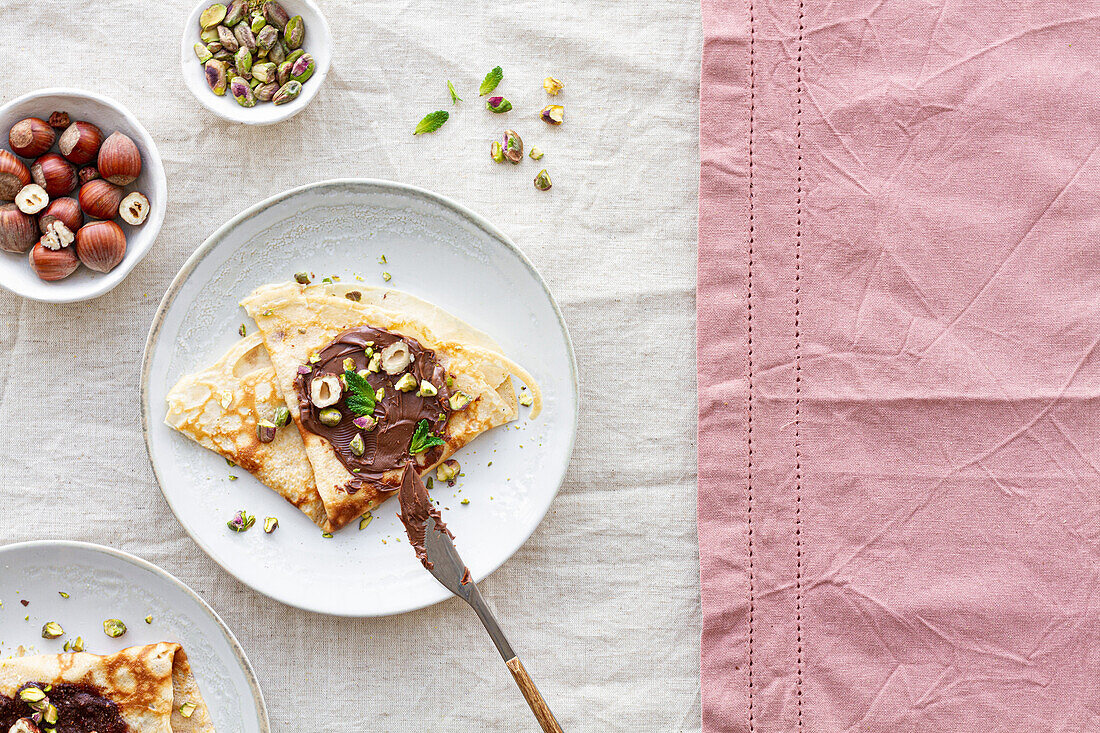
x,y
448,569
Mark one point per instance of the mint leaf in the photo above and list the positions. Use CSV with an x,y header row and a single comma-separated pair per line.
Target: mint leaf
x,y
361,396
423,439
491,80
431,122
455,99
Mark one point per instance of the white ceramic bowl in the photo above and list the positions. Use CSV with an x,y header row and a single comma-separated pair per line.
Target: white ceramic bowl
x,y
109,116
318,43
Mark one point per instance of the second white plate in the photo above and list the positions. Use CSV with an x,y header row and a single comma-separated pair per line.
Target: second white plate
x,y
434,249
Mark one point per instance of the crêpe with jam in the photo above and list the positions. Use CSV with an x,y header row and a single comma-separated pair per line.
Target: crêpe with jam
x,y
140,689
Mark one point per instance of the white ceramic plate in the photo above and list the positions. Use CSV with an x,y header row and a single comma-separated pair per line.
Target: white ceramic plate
x,y
435,249
109,116
317,43
104,583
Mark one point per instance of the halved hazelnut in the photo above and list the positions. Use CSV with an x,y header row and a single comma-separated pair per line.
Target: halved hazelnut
x,y
325,391
66,210
31,137
17,230
396,357
100,199
24,725
13,176
134,209
80,142
57,235
119,160
101,245
55,174
53,264
32,198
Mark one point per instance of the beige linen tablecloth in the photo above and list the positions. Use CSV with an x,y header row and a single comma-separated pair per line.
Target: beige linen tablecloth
x,y
602,602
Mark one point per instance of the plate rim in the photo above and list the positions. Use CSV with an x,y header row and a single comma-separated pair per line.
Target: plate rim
x,y
215,239
234,644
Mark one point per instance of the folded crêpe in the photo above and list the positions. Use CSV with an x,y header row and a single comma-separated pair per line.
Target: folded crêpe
x,y
316,331
143,689
219,408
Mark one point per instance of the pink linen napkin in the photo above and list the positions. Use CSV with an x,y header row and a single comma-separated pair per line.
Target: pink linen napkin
x,y
899,373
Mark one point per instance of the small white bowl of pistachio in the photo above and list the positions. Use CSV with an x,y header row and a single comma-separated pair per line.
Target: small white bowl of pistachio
x,y
254,61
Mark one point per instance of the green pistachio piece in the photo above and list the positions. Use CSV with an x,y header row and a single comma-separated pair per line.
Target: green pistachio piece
x,y
188,709
525,398
242,92
265,92
216,76
357,446
235,13
266,37
258,24
330,416
213,47
542,181
458,400
282,417
265,431
303,68
209,35
295,54
114,628
295,32
265,72
212,16
536,153
287,92
78,645
513,147
498,105
407,383
242,521
243,61
271,524
448,470
365,520
52,630
496,151
203,53
149,619
302,278
224,56
379,393
49,715
282,72
349,364
427,389
276,15
277,52
32,694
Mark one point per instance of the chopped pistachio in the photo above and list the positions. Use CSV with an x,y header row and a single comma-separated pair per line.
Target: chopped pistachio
x,y
149,619
387,276
78,645
242,521
271,524
458,400
365,520
327,535
375,364
314,358
536,153
382,260
427,389
268,312
302,278
114,628
282,417
243,330
464,502
407,383
330,416
66,647
526,399
232,477
552,86
448,470
32,694
229,462
357,446
349,364
379,393
52,630
450,381
63,594
49,715
188,709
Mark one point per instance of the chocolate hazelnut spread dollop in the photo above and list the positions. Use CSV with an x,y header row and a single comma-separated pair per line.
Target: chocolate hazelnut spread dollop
x,y
416,507
385,447
80,709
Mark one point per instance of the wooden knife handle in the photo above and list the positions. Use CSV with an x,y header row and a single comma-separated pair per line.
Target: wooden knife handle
x,y
533,697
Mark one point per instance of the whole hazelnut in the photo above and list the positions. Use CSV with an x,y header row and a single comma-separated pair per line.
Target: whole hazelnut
x,y
80,142
88,173
53,264
17,230
119,160
31,137
99,199
66,210
59,120
101,245
55,174
13,176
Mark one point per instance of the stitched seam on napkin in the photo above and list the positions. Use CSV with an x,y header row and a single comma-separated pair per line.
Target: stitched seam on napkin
x,y
798,368
749,436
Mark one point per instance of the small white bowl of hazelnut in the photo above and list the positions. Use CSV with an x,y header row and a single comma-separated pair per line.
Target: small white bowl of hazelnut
x,y
82,195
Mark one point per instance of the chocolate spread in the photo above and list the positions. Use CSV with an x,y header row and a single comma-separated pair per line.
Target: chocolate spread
x,y
416,507
80,709
397,413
